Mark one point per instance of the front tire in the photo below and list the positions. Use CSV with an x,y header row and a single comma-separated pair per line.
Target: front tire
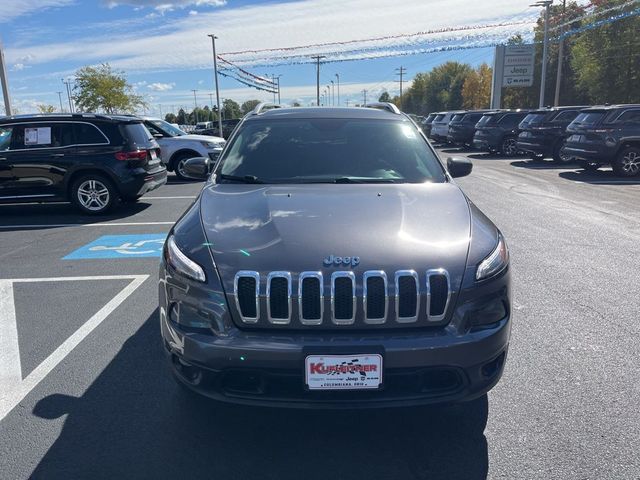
x,y
559,156
178,166
93,194
509,147
627,163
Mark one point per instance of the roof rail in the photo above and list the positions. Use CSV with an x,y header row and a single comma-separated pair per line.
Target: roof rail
x,y
263,107
388,106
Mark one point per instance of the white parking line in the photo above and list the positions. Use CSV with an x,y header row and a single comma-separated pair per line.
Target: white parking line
x,y
103,224
168,198
10,365
11,391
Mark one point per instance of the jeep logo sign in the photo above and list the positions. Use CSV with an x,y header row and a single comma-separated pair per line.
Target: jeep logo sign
x,y
338,261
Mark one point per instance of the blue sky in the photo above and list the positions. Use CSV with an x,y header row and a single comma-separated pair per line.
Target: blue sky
x,y
163,47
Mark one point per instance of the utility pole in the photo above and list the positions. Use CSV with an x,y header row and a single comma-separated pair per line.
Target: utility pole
x,y
60,98
401,71
333,93
556,99
215,76
67,84
317,59
195,107
364,93
277,79
347,102
5,83
546,4
160,108
338,80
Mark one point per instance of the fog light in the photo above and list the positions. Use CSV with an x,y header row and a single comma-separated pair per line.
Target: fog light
x,y
490,312
189,317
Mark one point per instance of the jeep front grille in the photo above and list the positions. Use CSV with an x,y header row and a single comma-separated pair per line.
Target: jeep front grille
x,y
352,299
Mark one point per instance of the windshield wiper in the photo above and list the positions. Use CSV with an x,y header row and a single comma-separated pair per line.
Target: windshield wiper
x,y
244,179
362,180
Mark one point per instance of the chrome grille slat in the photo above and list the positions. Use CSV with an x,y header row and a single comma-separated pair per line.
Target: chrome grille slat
x,y
365,296
335,276
414,275
256,277
432,273
278,320
301,292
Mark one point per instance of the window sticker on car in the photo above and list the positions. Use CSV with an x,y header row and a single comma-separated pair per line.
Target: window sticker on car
x,y
37,136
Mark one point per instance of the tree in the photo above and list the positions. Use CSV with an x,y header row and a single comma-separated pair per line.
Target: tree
x,y
171,118
249,105
296,104
385,97
46,108
476,90
231,109
103,89
181,117
606,59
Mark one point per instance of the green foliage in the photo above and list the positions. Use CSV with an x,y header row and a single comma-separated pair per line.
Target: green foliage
x,y
103,89
439,89
230,109
249,105
46,108
385,97
476,91
171,118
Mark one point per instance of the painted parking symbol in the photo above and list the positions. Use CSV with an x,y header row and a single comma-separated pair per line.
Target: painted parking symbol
x,y
121,246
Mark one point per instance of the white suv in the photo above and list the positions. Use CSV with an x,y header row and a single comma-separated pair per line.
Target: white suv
x,y
176,146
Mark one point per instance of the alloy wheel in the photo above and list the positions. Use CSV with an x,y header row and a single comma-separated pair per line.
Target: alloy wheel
x,y
93,195
631,163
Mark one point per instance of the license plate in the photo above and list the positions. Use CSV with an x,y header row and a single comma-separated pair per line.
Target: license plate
x,y
343,372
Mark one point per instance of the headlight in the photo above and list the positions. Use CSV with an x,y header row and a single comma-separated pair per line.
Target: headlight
x,y
182,263
495,262
211,145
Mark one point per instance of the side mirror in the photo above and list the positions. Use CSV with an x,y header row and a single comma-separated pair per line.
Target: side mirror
x,y
459,166
197,168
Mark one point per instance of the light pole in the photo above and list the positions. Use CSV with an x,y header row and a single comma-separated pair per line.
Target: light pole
x,y
556,99
60,98
338,80
66,84
318,58
195,107
215,76
278,80
546,4
5,84
333,93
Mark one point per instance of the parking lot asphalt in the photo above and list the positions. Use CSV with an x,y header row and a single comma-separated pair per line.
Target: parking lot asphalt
x,y
86,392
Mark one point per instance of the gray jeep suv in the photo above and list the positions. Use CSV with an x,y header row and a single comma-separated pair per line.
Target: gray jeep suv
x,y
331,261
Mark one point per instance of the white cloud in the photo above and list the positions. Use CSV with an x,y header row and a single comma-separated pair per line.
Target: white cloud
x,y
13,8
18,66
186,45
165,5
161,87
193,12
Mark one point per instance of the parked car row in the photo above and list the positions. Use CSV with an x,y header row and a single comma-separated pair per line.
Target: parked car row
x,y
595,136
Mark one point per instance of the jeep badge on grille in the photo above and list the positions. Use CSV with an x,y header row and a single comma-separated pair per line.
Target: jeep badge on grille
x,y
332,260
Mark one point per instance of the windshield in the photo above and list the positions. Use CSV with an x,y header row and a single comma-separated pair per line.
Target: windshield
x,y
588,118
167,127
330,150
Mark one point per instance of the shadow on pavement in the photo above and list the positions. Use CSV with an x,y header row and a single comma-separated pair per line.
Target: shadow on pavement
x,y
543,165
488,156
53,214
135,422
599,177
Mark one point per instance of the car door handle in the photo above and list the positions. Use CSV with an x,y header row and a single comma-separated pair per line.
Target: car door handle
x,y
57,155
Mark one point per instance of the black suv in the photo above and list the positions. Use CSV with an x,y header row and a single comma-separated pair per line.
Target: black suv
x,y
498,132
606,135
90,160
463,126
425,125
227,128
543,131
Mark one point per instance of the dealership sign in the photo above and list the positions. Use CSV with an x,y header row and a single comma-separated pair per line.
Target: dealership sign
x,y
518,65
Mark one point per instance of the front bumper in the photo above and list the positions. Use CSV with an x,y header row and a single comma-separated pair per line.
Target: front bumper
x,y
267,368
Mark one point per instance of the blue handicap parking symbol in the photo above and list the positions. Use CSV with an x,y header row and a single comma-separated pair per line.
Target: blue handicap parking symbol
x,y
121,246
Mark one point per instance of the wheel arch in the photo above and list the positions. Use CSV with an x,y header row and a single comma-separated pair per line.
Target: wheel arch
x,y
179,153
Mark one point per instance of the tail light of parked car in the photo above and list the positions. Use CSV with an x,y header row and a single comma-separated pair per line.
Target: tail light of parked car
x,y
135,155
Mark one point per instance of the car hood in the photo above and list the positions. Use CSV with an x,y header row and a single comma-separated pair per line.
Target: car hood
x,y
200,138
295,227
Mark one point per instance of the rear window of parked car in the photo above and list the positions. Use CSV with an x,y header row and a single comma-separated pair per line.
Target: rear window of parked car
x,y
137,133
457,117
632,116
438,118
565,116
588,118
487,120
